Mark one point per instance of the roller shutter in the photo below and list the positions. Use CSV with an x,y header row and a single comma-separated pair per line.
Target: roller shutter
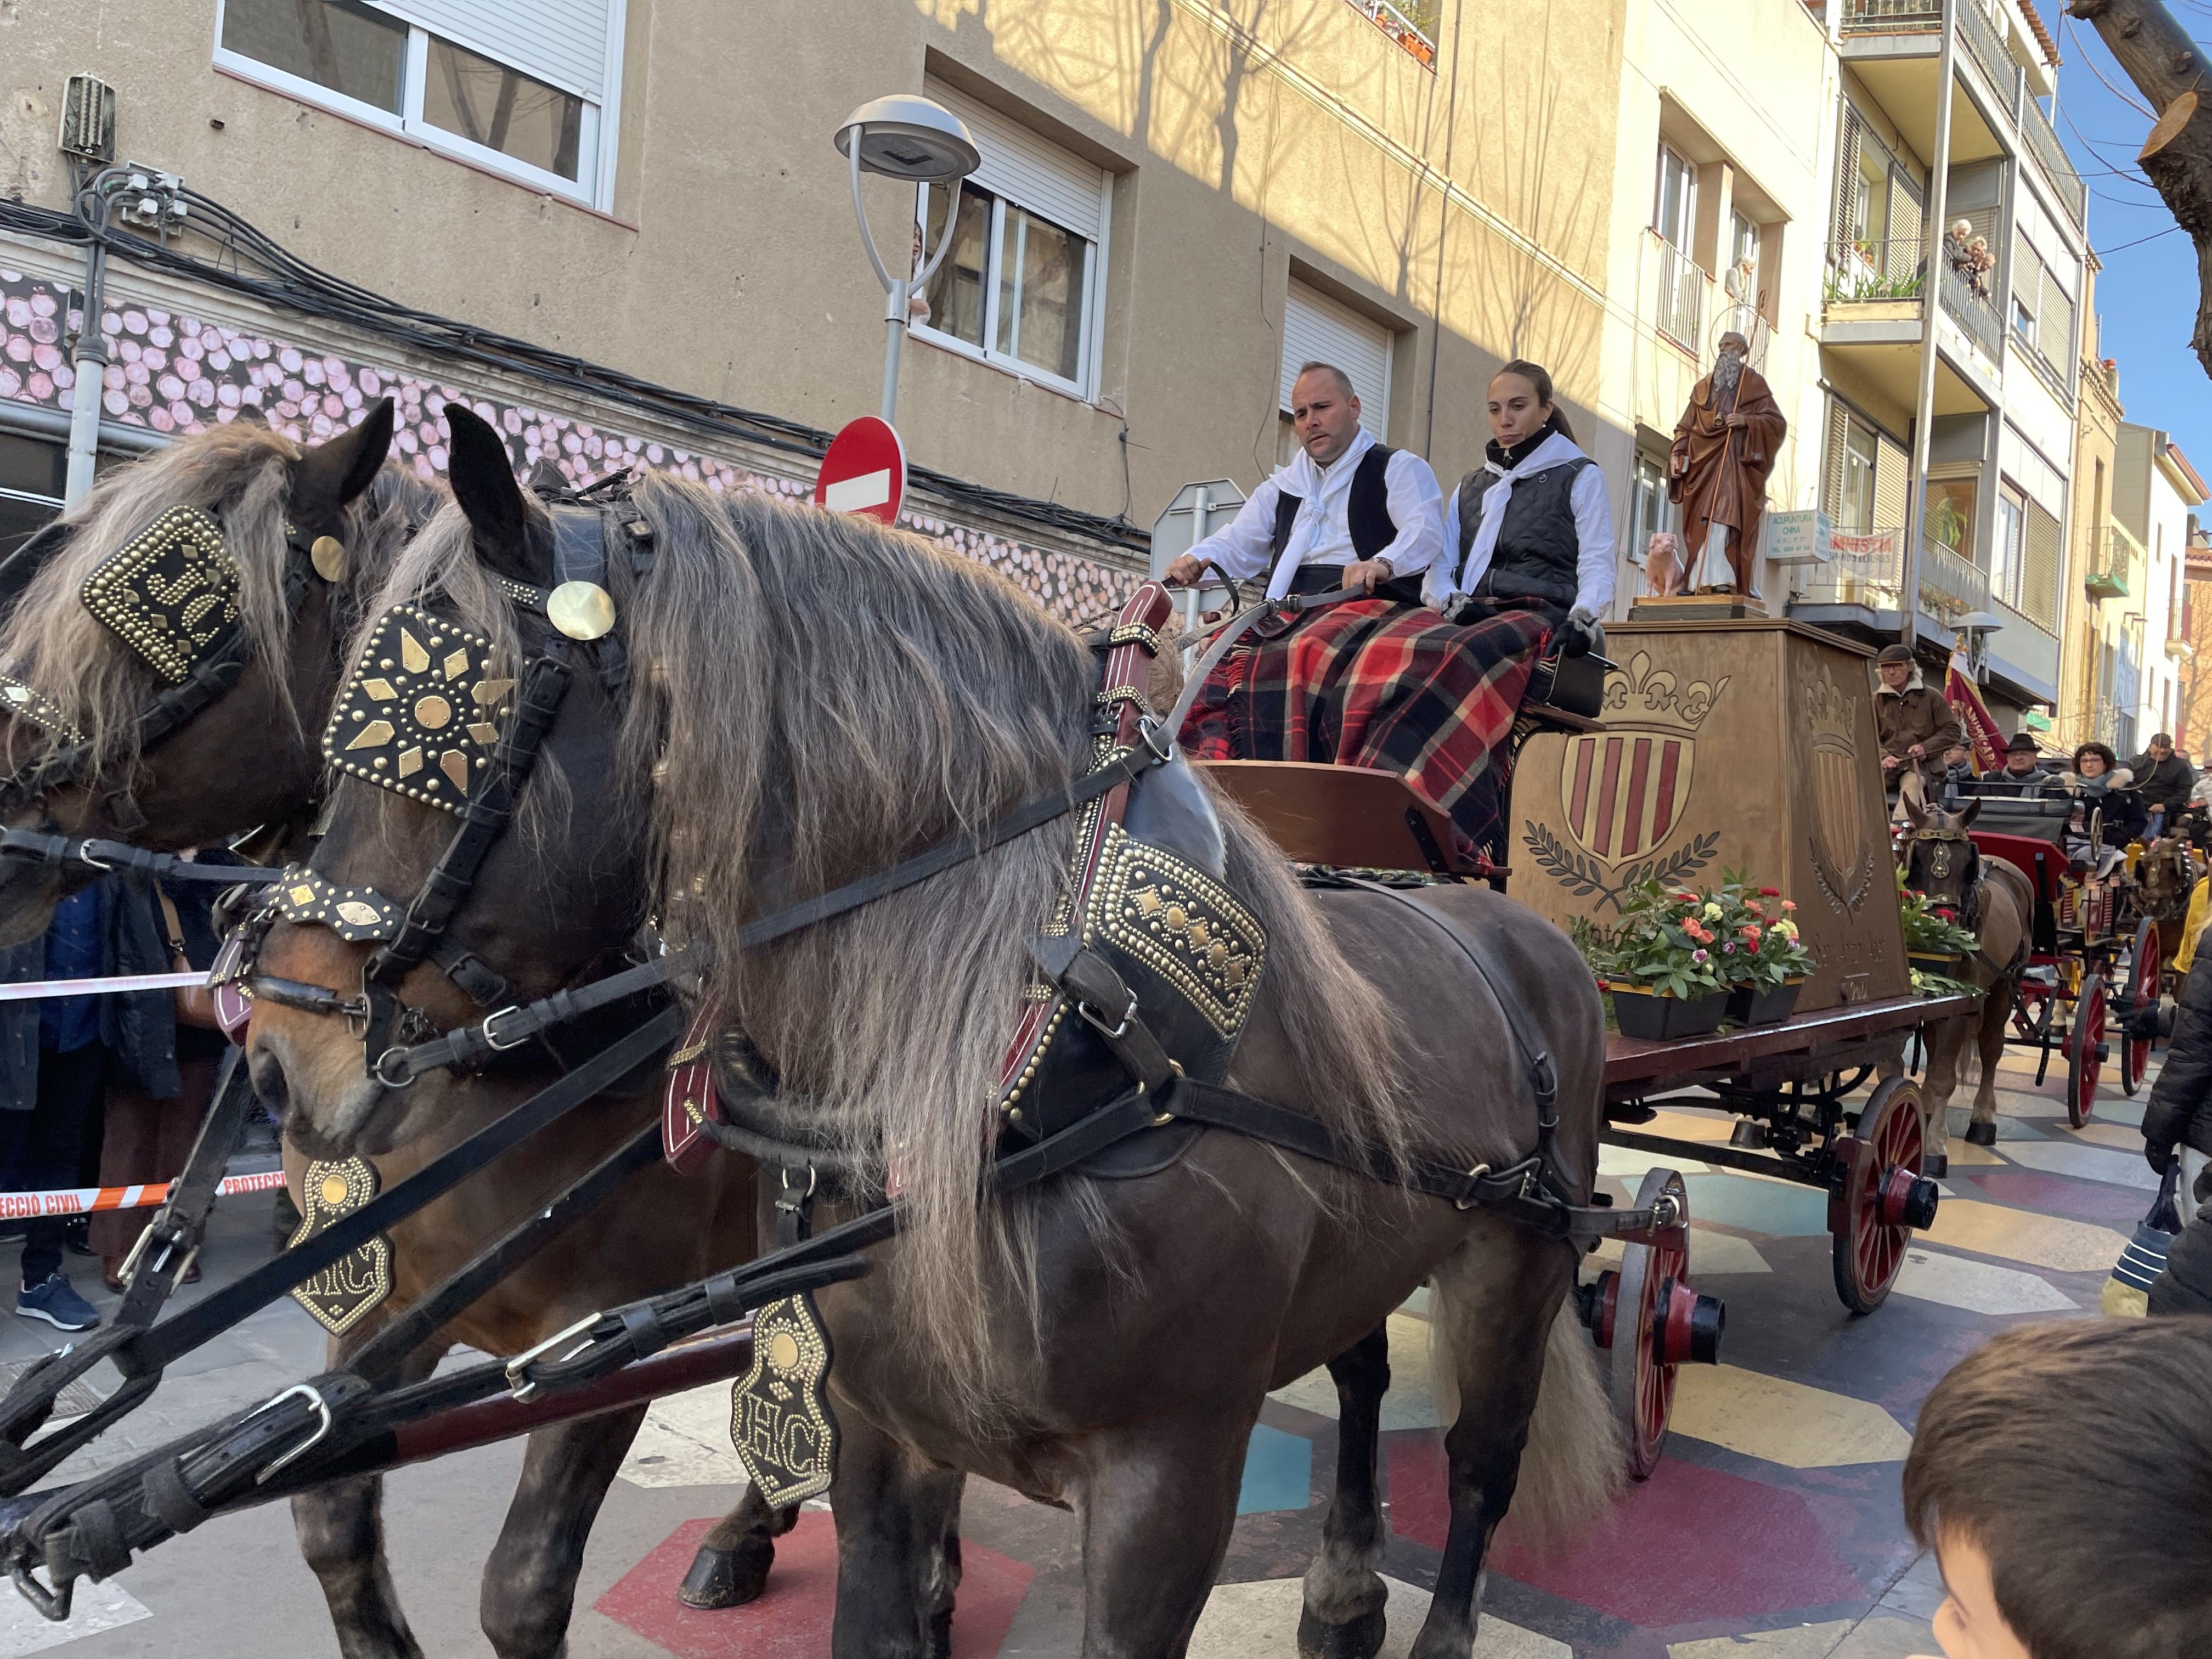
x,y
561,42
1029,170
1319,329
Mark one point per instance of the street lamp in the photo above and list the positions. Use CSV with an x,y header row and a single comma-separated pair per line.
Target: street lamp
x,y
903,137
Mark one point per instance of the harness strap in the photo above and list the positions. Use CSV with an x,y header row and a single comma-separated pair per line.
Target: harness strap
x,y
35,846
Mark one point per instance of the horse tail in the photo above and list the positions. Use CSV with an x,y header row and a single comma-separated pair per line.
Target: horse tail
x,y
1572,1467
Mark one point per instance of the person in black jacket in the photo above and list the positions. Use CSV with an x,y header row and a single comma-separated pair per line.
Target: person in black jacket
x,y
2178,1115
2164,780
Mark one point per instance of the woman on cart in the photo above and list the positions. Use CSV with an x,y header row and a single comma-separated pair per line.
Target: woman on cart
x,y
2104,798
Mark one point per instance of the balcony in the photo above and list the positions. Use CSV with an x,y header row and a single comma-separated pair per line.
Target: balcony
x,y
2051,155
1871,317
1680,300
2111,565
1951,584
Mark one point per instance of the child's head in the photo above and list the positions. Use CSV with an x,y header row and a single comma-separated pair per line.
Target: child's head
x,y
2064,1474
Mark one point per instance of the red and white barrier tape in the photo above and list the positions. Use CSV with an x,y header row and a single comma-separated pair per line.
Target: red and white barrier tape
x,y
31,988
83,1200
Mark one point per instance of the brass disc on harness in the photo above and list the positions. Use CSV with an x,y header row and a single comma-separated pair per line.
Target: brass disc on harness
x,y
327,554
582,610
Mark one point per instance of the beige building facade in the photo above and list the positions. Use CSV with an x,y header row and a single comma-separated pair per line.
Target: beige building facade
x,y
2107,567
1177,200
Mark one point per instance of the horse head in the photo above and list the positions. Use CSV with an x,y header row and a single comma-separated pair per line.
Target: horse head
x,y
446,656
235,522
1941,860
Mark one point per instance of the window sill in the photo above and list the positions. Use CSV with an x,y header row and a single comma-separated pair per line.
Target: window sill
x,y
416,141
953,347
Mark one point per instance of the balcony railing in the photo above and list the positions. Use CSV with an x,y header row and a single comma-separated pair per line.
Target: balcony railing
x,y
1891,16
2111,564
1860,270
1976,315
1951,584
2051,155
1865,568
1682,297
1987,48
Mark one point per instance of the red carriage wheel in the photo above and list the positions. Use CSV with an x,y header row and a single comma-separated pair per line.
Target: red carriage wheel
x,y
1633,1323
2144,977
1879,1195
2085,1050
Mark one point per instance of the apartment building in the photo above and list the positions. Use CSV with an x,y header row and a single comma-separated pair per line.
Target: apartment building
x,y
1178,203
1999,483
2142,649
2105,567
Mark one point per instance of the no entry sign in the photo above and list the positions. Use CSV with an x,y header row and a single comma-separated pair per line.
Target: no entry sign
x,y
864,472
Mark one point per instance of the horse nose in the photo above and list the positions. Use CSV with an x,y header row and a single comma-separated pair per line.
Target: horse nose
x,y
268,1074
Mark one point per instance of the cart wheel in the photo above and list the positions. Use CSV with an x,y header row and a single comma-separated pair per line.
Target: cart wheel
x,y
1643,1316
2145,974
1879,1195
2085,1045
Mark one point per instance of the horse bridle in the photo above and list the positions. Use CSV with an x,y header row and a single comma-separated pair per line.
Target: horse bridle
x,y
581,614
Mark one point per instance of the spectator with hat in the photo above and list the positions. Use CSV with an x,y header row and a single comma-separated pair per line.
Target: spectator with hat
x,y
1915,724
2023,766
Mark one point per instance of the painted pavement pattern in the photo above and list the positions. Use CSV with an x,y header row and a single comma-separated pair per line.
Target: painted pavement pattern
x,y
1771,1528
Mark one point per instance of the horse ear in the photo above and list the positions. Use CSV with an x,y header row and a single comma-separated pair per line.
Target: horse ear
x,y
330,475
1918,816
482,473
1974,810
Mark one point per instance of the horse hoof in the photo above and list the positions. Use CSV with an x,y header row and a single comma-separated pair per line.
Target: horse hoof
x,y
727,1578
1362,1639
1935,1165
1981,1134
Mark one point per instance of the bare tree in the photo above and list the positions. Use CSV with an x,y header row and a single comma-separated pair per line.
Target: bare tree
x,y
2159,58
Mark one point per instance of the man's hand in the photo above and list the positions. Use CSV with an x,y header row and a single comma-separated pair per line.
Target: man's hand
x,y
1917,752
1363,574
1183,571
1736,422
1891,763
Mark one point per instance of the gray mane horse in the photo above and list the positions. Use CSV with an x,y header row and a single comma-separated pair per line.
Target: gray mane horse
x,y
250,758
1994,903
816,698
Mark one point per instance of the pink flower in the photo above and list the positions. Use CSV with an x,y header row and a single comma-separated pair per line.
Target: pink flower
x,y
1698,956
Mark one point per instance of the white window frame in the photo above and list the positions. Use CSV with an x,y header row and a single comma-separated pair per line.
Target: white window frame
x,y
1649,512
2009,543
1084,385
595,140
1689,173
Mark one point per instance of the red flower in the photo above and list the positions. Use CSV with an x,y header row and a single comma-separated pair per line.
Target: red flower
x,y
1770,892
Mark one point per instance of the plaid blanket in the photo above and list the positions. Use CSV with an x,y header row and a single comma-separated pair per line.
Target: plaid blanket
x,y
1392,686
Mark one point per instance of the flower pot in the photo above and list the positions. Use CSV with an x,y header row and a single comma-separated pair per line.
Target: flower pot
x,y
1748,1006
1662,1019
1934,961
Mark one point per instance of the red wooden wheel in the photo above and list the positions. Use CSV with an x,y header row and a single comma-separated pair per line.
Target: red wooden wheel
x,y
1642,1302
2085,1045
1879,1195
2144,977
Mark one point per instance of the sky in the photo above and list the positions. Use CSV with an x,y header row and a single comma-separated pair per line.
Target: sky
x,y
2147,293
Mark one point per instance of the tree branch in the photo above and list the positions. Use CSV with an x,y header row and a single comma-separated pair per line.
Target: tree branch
x,y
2157,54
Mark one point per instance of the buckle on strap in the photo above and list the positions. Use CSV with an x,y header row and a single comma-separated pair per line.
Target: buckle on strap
x,y
322,1421
489,1030
1468,1199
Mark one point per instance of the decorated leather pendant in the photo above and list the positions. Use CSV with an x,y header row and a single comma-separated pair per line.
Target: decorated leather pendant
x,y
343,1293
689,1098
780,1418
422,713
169,592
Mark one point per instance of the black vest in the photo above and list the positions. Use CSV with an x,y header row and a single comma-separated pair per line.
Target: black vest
x,y
1367,511
1538,547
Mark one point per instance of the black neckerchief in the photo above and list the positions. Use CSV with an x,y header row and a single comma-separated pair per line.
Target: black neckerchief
x,y
1506,459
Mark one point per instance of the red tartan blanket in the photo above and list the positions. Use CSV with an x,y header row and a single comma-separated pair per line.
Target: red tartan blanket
x,y
1392,686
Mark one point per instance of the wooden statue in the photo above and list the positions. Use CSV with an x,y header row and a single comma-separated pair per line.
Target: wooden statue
x,y
1724,446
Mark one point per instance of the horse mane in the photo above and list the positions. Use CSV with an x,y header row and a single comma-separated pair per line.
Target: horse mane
x,y
241,472
813,697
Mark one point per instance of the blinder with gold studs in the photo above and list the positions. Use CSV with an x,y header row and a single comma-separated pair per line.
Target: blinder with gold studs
x,y
35,705
169,592
422,713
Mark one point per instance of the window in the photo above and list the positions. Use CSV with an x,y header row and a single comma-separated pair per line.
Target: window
x,y
1674,215
1019,287
1860,452
2023,319
1319,329
33,472
2009,549
1649,512
522,91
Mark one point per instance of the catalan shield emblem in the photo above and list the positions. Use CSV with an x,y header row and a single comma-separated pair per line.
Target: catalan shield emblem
x,y
1838,803
1624,791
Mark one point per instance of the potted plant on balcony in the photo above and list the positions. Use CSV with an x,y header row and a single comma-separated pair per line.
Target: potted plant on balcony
x,y
1762,958
1659,964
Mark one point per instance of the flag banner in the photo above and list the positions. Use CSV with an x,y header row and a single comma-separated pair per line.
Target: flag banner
x,y
1983,738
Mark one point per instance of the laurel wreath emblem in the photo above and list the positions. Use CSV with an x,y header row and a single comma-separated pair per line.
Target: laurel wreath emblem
x,y
1583,876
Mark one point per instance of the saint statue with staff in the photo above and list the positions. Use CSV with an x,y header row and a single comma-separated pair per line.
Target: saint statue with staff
x,y
1724,446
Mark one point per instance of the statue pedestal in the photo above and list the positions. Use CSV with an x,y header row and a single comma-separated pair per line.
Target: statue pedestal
x,y
1695,607
1736,745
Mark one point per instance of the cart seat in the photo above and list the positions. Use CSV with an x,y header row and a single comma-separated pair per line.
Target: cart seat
x,y
2043,863
1349,816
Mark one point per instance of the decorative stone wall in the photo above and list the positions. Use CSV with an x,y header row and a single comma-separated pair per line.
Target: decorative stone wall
x,y
174,372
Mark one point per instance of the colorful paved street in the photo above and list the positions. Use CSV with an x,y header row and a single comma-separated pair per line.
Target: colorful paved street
x,y
1771,1528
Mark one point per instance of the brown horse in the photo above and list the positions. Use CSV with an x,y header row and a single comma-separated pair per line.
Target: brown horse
x,y
824,697
1994,902
250,757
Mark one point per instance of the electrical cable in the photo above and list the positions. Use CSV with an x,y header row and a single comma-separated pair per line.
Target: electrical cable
x,y
290,283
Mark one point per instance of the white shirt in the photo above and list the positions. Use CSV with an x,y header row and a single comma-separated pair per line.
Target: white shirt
x,y
1321,532
1594,556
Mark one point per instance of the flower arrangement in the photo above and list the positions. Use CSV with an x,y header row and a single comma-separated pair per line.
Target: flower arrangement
x,y
1761,946
1738,946
1665,945
1931,926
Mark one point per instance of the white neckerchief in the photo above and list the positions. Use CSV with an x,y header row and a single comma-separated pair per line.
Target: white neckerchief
x,y
1320,489
1552,452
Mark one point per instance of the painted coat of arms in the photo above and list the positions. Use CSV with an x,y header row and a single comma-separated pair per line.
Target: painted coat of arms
x,y
1843,863
1625,791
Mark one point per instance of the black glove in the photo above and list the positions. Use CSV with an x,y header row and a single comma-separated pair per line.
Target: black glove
x,y
1579,635
2157,1153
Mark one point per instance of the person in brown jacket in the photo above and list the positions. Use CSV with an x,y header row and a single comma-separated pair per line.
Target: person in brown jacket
x,y
1915,724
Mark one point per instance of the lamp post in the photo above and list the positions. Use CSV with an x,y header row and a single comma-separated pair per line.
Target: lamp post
x,y
903,137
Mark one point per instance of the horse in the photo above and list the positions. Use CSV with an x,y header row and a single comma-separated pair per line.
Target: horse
x,y
248,758
819,697
1995,903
